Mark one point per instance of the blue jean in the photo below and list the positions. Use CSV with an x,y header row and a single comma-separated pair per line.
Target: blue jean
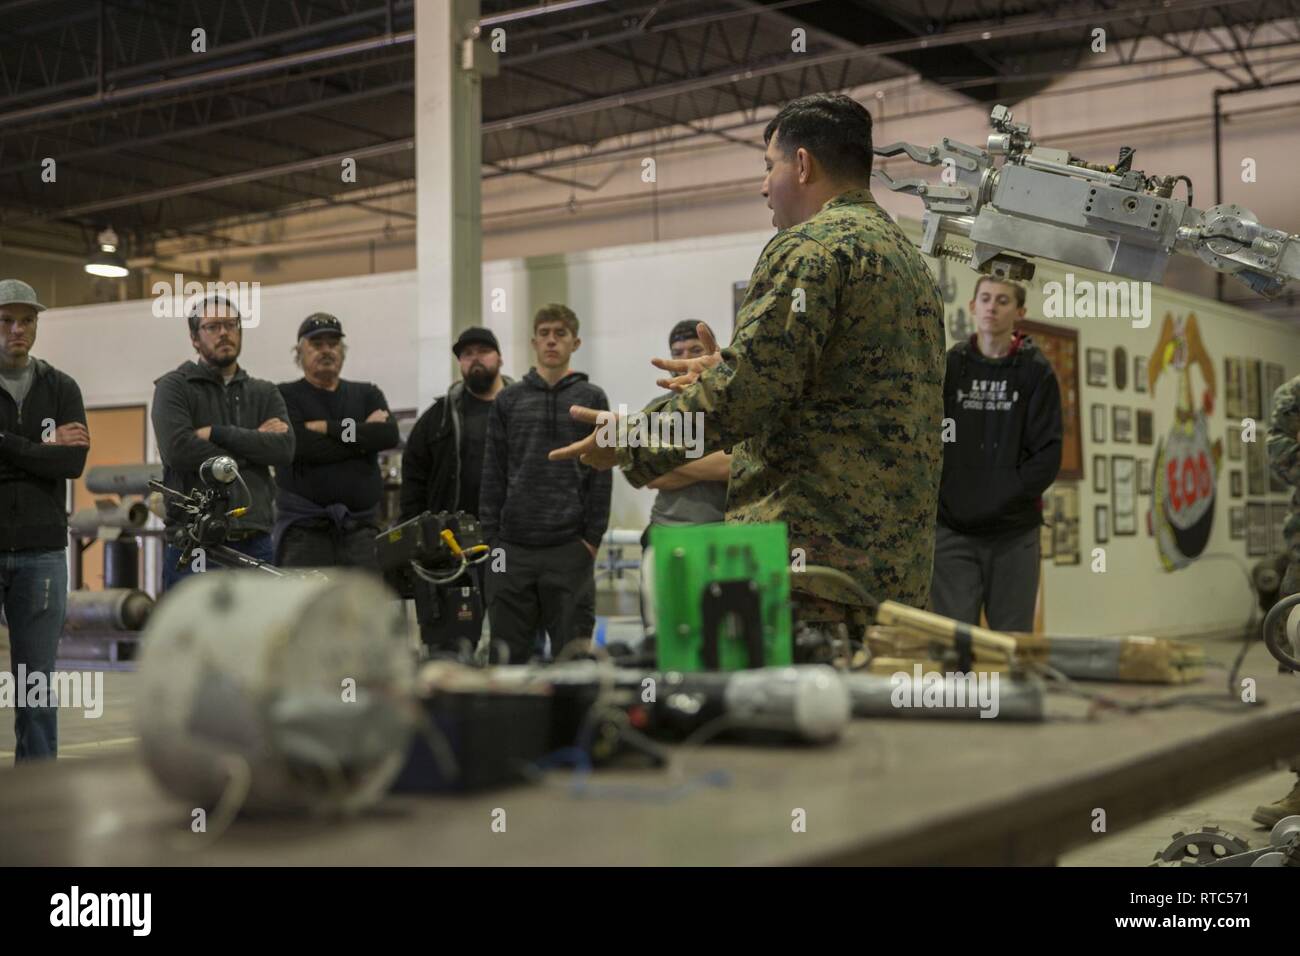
x,y
258,546
34,593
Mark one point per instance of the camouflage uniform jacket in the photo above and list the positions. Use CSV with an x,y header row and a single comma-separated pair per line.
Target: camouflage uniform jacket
x,y
830,398
1284,459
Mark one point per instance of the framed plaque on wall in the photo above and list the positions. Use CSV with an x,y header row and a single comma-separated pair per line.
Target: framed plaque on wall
x,y
1060,346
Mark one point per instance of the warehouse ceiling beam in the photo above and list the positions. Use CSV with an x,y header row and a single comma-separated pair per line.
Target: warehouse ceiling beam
x,y
220,229
1015,26
181,58
186,98
171,158
231,179
541,9
657,69
614,153
207,128
193,80
1187,50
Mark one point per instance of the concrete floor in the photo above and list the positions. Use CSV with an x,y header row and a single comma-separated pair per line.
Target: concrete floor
x,y
1230,809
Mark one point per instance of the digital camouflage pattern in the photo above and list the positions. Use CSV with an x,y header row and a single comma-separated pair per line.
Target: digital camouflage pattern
x,y
1284,459
830,397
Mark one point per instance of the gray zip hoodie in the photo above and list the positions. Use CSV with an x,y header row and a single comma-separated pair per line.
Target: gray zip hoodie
x,y
193,396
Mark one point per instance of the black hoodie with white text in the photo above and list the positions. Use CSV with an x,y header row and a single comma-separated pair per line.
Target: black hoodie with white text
x,y
1006,450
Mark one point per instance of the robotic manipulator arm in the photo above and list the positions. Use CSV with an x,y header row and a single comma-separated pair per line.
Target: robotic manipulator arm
x,y
1046,203
208,515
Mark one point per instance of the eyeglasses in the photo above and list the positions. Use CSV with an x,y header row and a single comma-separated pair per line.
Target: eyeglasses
x,y
212,328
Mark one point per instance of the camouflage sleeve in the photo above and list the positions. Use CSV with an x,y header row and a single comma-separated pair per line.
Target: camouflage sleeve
x,y
1283,448
643,465
656,459
781,330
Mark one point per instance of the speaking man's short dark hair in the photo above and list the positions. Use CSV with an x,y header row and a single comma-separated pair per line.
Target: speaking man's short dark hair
x,y
833,127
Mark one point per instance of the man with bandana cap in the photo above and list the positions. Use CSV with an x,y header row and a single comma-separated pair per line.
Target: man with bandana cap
x,y
327,507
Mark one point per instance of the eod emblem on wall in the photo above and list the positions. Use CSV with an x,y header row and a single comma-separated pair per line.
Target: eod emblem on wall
x,y
1187,463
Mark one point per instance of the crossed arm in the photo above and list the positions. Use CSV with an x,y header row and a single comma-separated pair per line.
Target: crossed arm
x,y
64,456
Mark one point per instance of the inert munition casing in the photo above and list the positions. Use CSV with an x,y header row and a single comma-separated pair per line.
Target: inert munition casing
x,y
122,479
876,695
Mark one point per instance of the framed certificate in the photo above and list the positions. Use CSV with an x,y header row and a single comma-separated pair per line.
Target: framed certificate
x,y
1123,494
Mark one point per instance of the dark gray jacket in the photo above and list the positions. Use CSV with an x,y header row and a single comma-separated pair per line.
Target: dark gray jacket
x,y
526,498
193,396
33,471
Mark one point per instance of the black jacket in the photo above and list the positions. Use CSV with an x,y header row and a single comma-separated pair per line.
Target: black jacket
x,y
431,459
1006,449
192,396
34,472
526,498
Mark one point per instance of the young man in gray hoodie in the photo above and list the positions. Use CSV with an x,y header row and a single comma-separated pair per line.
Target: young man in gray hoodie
x,y
213,407
547,516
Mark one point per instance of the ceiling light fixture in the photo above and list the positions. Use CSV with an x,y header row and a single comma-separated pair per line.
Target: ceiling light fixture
x,y
107,262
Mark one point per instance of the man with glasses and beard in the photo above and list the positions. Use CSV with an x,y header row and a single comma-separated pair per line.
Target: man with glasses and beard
x,y
212,407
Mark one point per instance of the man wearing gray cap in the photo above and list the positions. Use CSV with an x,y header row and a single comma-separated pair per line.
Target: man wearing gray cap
x,y
212,407
328,501
43,443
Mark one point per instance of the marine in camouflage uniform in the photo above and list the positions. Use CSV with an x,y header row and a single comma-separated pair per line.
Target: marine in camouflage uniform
x,y
830,397
1284,459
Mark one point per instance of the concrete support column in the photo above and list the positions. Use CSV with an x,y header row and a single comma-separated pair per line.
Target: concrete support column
x,y
448,155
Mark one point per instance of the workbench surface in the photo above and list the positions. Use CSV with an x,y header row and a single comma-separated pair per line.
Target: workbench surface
x,y
891,791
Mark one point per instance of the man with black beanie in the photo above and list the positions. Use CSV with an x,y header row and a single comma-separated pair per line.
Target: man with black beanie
x,y
1003,404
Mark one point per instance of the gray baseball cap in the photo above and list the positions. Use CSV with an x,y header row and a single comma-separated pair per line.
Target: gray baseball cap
x,y
18,292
